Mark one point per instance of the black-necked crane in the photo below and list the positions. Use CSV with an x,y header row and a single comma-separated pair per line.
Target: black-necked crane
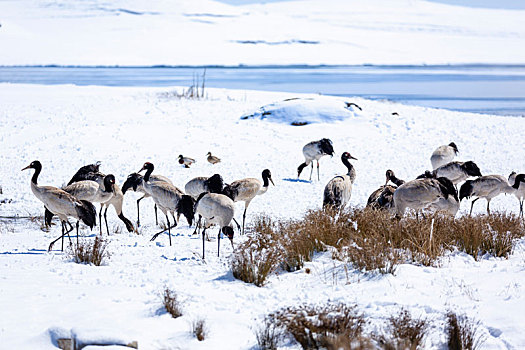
x,y
314,151
488,187
168,199
216,209
520,190
94,192
212,159
245,190
62,204
382,198
198,185
135,181
338,191
457,171
186,161
91,172
422,193
443,155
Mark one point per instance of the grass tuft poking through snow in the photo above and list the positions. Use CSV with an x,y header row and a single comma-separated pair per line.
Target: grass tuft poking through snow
x,y
321,326
90,252
406,332
463,333
171,303
199,329
268,335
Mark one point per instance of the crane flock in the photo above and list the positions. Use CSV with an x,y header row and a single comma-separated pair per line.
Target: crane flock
x,y
213,200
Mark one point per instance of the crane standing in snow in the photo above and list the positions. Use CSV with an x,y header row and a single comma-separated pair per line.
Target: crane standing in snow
x,y
245,190
314,151
488,187
383,197
338,191
61,204
520,190
217,209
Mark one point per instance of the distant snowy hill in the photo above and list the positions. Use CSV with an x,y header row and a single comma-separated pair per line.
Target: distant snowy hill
x,y
204,32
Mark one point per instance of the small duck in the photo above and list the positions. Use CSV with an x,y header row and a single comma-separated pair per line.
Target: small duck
x,y
213,159
186,161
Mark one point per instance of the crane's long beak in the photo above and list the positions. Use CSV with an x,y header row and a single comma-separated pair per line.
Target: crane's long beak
x,y
271,180
141,169
27,167
353,158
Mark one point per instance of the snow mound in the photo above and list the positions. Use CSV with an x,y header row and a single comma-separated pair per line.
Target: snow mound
x,y
303,111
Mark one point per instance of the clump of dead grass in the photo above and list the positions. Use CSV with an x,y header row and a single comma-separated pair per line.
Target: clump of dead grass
x,y
321,326
405,332
199,329
463,333
171,303
90,251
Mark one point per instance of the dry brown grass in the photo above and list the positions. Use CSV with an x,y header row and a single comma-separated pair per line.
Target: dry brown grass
x,y
268,335
463,333
171,303
316,327
369,240
90,252
405,332
199,329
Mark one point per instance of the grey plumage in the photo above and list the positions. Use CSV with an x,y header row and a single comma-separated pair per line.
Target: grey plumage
x,y
383,197
168,198
422,193
338,191
62,204
457,171
95,192
519,188
488,187
443,155
135,182
245,190
216,209
314,151
198,185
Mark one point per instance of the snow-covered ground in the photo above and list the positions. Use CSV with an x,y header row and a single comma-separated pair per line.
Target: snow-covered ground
x,y
206,32
65,127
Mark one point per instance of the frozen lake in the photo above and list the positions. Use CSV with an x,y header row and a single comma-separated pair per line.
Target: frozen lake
x,y
471,88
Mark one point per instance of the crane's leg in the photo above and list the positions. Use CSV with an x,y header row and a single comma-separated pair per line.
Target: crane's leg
x,y
521,207
318,179
488,206
138,210
156,219
64,232
219,242
169,229
311,170
106,219
78,224
197,224
203,234
236,223
244,218
100,219
472,206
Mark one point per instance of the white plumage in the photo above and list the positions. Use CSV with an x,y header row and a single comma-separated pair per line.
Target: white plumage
x,y
338,191
443,155
198,185
216,209
314,151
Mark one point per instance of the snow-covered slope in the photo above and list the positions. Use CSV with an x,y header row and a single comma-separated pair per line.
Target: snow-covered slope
x,y
65,127
205,32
